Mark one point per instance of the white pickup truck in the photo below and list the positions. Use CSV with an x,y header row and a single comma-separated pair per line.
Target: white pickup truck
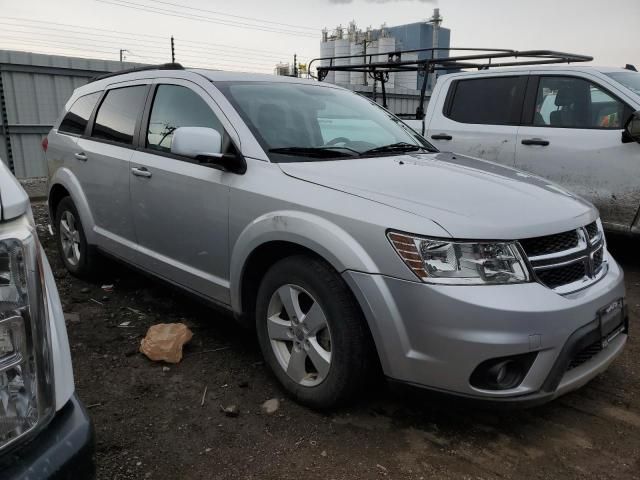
x,y
565,123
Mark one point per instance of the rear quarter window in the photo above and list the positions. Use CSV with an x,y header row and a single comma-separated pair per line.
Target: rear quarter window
x,y
486,101
76,119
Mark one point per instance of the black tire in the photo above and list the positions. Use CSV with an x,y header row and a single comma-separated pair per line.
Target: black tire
x,y
85,267
352,353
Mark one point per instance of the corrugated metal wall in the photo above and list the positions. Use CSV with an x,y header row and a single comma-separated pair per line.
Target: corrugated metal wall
x,y
33,91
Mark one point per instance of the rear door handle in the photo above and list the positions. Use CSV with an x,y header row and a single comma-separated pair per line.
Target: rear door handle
x,y
141,172
441,136
81,156
535,141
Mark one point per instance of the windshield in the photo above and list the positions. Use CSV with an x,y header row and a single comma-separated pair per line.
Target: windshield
x,y
631,80
302,123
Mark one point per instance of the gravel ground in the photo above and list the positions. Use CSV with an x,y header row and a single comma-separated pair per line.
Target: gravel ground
x,y
151,421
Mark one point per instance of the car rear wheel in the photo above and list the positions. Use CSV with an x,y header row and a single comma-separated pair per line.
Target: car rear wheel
x,y
312,333
76,255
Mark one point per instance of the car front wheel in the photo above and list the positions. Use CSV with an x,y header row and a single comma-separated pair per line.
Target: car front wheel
x,y
312,333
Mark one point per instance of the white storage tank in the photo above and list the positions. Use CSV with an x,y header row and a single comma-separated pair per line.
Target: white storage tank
x,y
342,48
372,50
327,49
357,48
407,80
386,45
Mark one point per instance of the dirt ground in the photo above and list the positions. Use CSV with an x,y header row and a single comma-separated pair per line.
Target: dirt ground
x,y
150,421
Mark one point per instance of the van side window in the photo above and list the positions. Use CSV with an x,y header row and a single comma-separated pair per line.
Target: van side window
x,y
117,115
571,102
487,101
175,106
76,119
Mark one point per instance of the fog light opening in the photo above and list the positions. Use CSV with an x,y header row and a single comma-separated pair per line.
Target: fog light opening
x,y
502,373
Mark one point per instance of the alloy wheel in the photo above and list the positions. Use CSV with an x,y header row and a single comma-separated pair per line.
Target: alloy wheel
x,y
299,335
70,238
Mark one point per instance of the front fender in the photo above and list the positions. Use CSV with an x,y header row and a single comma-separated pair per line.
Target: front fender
x,y
65,177
316,233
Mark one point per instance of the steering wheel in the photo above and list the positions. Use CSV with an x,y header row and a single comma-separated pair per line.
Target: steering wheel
x,y
338,140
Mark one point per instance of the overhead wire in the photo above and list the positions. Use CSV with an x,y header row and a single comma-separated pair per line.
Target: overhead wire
x,y
65,27
201,18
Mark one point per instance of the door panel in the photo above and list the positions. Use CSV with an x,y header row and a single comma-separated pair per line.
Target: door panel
x,y
180,208
180,213
102,166
479,117
104,177
582,124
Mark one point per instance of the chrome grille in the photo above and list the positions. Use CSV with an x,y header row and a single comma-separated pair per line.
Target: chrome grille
x,y
592,229
556,277
567,261
550,243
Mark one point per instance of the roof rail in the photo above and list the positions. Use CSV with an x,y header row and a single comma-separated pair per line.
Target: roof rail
x,y
162,66
430,60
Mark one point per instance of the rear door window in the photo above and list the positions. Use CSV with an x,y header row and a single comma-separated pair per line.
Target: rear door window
x,y
487,101
118,114
572,102
76,119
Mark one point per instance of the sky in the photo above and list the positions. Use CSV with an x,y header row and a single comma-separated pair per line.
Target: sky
x,y
254,35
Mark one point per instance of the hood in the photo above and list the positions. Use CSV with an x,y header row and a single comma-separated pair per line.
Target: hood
x,y
470,198
13,199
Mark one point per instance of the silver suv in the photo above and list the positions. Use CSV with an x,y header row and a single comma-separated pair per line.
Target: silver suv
x,y
344,237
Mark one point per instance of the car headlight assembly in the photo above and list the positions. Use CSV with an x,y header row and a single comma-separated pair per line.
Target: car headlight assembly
x,y
461,263
26,383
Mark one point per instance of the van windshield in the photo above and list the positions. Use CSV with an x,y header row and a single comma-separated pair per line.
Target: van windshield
x,y
631,80
301,123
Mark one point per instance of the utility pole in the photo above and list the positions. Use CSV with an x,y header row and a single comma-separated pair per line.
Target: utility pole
x,y
173,50
435,21
122,50
295,65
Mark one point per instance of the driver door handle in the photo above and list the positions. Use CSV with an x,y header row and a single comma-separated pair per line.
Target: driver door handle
x,y
81,156
141,172
535,141
441,136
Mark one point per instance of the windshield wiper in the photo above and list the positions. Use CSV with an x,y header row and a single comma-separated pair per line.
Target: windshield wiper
x,y
399,147
318,152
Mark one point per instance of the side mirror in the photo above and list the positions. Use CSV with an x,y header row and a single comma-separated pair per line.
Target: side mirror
x,y
194,142
631,132
205,145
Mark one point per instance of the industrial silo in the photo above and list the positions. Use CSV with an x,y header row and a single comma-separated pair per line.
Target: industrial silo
x,y
327,49
357,48
342,49
386,45
407,80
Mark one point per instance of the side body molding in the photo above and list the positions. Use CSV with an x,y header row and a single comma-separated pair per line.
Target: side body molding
x,y
316,233
64,177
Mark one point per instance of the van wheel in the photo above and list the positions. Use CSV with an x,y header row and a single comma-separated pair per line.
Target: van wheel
x,y
77,256
312,332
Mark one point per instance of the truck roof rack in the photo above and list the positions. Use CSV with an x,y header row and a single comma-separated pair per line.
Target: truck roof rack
x,y
162,66
436,59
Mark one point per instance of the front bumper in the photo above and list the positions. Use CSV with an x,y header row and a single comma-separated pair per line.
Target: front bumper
x,y
434,336
64,449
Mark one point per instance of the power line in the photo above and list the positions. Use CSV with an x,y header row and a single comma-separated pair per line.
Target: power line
x,y
40,24
163,54
235,16
119,42
39,48
201,18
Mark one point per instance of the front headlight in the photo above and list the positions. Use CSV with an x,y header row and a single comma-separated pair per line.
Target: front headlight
x,y
460,263
26,386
